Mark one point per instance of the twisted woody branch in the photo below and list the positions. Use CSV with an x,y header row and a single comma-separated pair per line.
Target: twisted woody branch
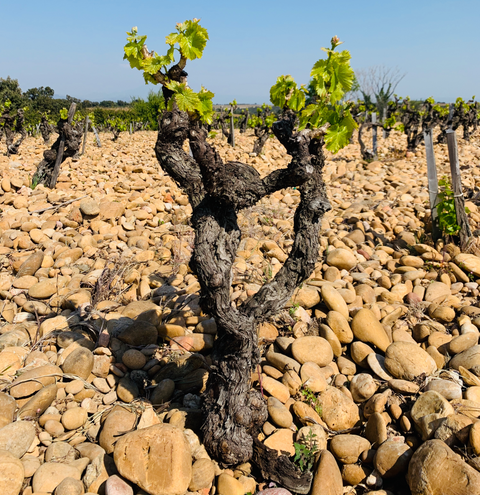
x,y
217,191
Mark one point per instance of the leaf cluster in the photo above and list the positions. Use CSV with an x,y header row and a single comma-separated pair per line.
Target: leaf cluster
x,y
189,41
447,216
331,79
305,452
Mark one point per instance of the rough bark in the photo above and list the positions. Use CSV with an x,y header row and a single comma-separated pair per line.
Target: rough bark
x,y
217,192
19,129
262,134
66,146
46,129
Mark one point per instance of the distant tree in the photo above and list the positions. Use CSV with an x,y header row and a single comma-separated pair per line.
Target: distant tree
x,y
107,104
10,90
34,94
377,85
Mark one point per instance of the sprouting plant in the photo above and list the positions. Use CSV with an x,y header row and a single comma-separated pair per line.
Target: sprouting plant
x,y
293,309
33,183
212,134
312,400
447,216
305,452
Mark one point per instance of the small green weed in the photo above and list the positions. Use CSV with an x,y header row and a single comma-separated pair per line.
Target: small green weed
x,y
447,216
312,400
305,452
293,309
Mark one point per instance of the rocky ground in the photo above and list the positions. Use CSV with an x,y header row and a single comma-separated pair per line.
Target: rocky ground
x,y
373,366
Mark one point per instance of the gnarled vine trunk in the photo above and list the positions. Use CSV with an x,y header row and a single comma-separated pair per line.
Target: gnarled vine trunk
x,y
234,412
66,146
217,192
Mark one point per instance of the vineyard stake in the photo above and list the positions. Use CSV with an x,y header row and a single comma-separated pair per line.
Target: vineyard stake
x,y
85,135
383,122
97,137
432,183
232,129
374,135
462,218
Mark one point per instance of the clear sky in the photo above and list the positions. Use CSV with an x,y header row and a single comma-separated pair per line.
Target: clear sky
x,y
76,47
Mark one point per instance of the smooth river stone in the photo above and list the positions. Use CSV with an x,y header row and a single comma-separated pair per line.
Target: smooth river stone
x,y
406,361
339,324
334,301
312,349
367,328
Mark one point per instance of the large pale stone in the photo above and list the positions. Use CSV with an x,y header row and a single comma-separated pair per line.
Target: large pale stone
x,y
327,479
406,361
138,455
367,328
312,349
435,469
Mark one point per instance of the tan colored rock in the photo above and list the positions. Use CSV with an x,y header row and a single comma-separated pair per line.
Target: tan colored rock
x,y
339,324
376,429
275,388
12,473
203,474
50,474
327,479
334,301
313,377
436,290
341,258
406,361
312,349
469,263
33,380
338,411
39,402
428,411
392,458
17,437
137,454
31,264
474,437
278,413
467,359
74,418
79,363
347,448
435,469
362,387
7,409
368,329
42,290
281,441
228,485
118,421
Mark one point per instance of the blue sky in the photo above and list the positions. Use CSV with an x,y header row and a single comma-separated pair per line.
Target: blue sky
x,y
76,47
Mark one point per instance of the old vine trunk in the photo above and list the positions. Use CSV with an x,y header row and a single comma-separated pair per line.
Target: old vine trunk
x,y
234,412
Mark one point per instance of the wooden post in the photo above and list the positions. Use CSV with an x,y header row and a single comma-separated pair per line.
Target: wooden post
x,y
383,122
130,130
97,137
61,148
232,129
462,218
451,110
85,135
432,183
374,135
